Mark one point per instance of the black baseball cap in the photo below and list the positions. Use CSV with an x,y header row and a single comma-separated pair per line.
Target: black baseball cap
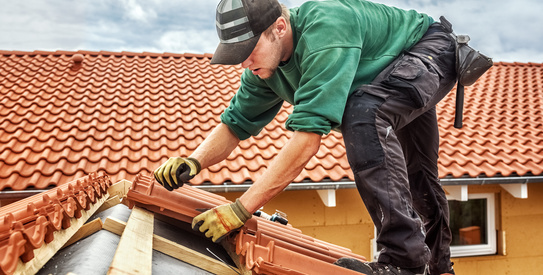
x,y
239,25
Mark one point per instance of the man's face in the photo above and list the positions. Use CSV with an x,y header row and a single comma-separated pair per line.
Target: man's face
x,y
265,57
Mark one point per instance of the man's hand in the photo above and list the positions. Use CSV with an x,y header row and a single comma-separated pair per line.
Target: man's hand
x,y
176,171
216,223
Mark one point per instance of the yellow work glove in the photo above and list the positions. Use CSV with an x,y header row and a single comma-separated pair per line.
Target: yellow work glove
x,y
216,223
173,173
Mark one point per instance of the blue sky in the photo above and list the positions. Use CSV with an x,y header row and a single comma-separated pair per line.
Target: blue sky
x,y
503,29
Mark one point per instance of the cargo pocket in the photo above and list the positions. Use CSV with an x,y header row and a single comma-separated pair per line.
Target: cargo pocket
x,y
413,78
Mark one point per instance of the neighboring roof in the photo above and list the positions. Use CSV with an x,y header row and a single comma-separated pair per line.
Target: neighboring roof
x,y
65,114
125,113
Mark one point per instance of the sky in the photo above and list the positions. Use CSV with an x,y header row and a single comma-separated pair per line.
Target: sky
x,y
509,31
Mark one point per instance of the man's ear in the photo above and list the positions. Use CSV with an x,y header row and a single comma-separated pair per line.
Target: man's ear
x,y
281,27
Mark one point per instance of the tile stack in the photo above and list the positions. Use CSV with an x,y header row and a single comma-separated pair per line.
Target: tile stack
x,y
29,223
265,247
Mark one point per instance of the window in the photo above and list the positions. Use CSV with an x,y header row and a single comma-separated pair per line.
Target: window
x,y
472,225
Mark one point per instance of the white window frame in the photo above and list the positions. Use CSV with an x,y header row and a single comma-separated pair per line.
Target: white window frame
x,y
468,250
481,249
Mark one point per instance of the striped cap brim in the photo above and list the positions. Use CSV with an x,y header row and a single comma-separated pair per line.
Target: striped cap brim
x,y
234,53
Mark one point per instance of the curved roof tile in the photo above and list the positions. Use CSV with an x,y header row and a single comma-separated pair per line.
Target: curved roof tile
x,y
125,113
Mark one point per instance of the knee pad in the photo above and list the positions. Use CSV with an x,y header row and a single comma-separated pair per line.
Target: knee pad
x,y
359,131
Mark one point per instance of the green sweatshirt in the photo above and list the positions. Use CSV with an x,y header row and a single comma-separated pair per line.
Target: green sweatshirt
x,y
338,46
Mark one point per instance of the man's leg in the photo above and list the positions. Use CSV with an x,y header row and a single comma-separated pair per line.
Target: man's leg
x,y
420,142
376,158
406,89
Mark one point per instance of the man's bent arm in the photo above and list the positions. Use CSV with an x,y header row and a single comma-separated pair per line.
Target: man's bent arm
x,y
283,170
216,147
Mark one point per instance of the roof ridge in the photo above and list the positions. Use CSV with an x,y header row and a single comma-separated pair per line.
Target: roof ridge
x,y
516,63
123,53
186,55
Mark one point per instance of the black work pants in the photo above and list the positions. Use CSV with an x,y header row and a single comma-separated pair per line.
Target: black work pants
x,y
391,138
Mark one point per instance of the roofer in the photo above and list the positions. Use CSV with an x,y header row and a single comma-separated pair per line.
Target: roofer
x,y
371,71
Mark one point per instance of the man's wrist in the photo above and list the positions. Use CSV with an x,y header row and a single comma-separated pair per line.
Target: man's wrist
x,y
196,164
241,211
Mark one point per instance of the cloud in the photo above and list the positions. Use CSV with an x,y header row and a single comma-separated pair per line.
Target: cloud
x,y
188,41
134,11
505,30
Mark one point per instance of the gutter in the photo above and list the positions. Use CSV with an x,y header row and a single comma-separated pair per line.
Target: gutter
x,y
492,180
225,188
293,186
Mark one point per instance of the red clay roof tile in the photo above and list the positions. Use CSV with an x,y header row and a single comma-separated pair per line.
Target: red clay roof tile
x,y
125,113
265,246
503,130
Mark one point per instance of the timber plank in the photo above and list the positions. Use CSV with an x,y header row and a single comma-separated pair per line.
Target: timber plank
x,y
176,250
85,230
135,250
109,203
119,188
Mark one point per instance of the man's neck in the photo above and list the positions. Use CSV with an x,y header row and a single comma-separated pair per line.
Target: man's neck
x,y
288,45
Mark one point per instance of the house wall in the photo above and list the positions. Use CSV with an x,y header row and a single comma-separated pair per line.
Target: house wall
x,y
349,225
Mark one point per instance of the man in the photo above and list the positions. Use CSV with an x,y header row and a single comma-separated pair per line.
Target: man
x,y
373,72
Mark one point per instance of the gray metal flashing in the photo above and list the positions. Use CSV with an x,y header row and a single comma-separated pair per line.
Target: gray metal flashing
x,y
20,194
293,186
492,180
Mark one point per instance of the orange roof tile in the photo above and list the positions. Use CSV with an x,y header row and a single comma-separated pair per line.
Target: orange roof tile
x,y
503,125
63,116
265,247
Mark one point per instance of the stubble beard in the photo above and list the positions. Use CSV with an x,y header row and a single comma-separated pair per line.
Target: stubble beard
x,y
272,72
273,69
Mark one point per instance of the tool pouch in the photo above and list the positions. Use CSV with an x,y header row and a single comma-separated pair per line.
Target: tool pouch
x,y
470,65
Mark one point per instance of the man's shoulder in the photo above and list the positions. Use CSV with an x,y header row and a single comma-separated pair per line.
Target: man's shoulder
x,y
327,24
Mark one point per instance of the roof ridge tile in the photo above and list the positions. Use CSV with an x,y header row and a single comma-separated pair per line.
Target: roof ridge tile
x,y
31,222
